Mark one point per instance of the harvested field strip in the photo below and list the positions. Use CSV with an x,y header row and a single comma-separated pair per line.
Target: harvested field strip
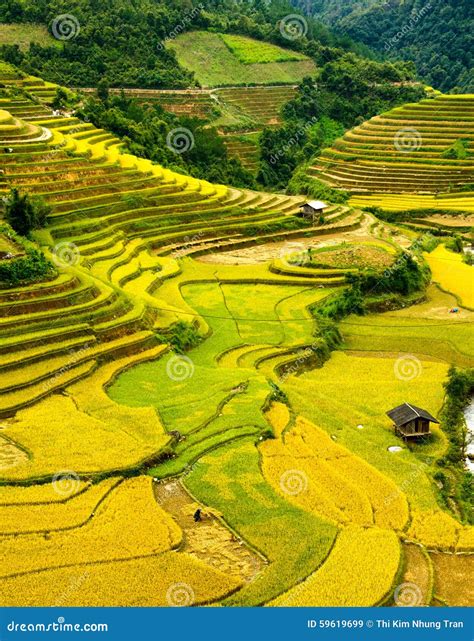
x,y
231,481
418,571
450,585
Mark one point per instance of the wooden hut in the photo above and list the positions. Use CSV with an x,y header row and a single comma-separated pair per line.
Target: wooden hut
x,y
313,209
411,421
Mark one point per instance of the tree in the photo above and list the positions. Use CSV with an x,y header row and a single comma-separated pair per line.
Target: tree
x,y
103,91
24,213
60,98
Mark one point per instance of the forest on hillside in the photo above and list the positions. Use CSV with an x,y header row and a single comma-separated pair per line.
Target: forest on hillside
x,y
124,42
436,34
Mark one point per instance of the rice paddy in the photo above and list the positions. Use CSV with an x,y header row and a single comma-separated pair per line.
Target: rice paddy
x,y
290,456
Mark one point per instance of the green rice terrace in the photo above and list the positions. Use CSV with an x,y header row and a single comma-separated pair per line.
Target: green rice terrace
x,y
416,157
195,346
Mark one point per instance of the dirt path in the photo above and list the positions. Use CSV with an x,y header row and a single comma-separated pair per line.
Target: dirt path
x,y
276,249
208,540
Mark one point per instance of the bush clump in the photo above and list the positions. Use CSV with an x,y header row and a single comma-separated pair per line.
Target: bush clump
x,y
24,213
32,266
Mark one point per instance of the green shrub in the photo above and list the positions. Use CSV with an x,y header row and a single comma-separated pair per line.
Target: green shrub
x,y
349,301
459,389
455,244
459,150
33,266
24,213
182,337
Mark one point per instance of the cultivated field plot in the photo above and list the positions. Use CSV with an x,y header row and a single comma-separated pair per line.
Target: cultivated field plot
x,y
215,64
24,34
250,51
138,384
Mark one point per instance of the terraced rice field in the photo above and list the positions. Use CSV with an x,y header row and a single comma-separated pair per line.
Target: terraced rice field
x,y
401,160
239,113
262,104
195,103
103,424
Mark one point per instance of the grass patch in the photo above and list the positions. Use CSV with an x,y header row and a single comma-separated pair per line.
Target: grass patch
x,y
24,34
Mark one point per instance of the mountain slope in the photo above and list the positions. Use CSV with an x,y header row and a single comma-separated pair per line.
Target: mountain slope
x,y
436,34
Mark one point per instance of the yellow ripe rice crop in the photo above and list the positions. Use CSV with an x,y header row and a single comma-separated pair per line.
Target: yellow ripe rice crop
x,y
359,572
128,523
342,395
313,485
389,505
452,274
309,469
61,513
37,494
401,202
434,529
168,579
466,539
63,436
278,416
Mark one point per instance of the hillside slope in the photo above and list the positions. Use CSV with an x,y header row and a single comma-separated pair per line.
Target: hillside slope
x,y
436,35
131,359
214,63
418,156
